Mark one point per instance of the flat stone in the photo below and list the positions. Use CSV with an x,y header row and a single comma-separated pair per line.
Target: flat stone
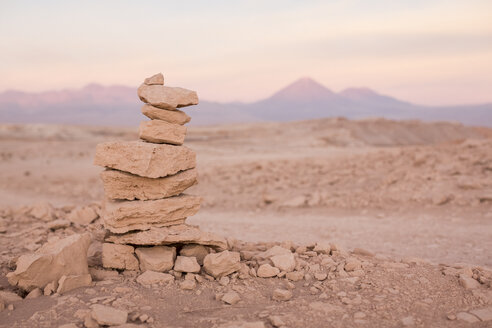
x,y
122,185
67,256
467,317
167,97
171,116
484,314
468,282
108,316
68,283
121,257
281,294
285,262
124,216
153,277
157,79
82,215
275,250
322,248
162,132
186,264
35,293
157,258
197,251
231,298
221,264
178,234
295,275
267,271
187,284
9,297
144,159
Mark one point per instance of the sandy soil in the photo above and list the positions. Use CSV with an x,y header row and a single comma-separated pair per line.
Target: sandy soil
x,y
397,189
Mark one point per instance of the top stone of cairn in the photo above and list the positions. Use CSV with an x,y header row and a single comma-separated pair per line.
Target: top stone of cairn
x,y
153,92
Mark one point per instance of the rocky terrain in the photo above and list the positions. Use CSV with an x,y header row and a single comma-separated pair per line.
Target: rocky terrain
x,y
339,223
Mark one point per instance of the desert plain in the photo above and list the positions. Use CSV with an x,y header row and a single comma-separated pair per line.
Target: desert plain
x,y
390,224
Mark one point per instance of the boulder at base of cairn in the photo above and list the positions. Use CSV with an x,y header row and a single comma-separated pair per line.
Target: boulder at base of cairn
x,y
221,264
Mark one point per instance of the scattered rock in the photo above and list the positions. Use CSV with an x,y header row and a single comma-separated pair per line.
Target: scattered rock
x,y
231,298
273,251
43,211
187,284
276,321
157,258
83,215
108,316
68,283
295,275
352,264
267,271
467,317
484,314
121,257
34,293
285,262
197,251
322,248
9,297
152,277
468,282
282,294
221,264
186,264
67,256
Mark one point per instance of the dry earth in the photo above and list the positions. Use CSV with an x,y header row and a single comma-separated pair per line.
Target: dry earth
x,y
402,190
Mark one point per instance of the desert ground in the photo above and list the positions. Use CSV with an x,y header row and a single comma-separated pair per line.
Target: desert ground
x,y
407,204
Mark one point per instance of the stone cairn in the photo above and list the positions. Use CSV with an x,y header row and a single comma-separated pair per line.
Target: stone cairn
x,y
145,208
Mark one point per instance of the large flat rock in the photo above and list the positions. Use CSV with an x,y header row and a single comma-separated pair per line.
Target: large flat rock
x,y
171,116
158,131
164,97
122,185
64,257
178,234
144,159
124,216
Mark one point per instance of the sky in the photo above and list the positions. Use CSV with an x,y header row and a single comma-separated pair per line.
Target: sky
x,y
433,52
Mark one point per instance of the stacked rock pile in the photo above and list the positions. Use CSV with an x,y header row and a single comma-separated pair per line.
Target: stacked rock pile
x,y
145,208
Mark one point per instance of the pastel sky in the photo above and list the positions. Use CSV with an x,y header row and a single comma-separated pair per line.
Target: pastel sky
x,y
426,51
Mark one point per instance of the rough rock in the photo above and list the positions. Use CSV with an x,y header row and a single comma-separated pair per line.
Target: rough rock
x,y
108,316
157,258
178,234
67,256
282,294
144,159
121,257
43,211
153,277
187,284
9,297
68,283
322,248
352,264
158,131
275,250
231,298
157,79
171,116
295,275
82,215
124,216
198,251
221,264
285,262
122,185
267,271
186,264
167,97
34,293
468,282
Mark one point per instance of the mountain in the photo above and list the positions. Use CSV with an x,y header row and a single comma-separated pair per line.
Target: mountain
x,y
301,100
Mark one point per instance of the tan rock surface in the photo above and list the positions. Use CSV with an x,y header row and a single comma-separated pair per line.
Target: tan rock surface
x,y
267,271
167,97
285,262
156,79
172,116
178,234
162,132
82,215
221,264
186,264
144,159
197,251
108,316
152,277
122,185
157,258
121,257
68,283
49,263
124,216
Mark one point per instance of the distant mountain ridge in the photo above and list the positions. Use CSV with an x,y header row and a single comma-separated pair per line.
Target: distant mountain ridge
x,y
304,99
